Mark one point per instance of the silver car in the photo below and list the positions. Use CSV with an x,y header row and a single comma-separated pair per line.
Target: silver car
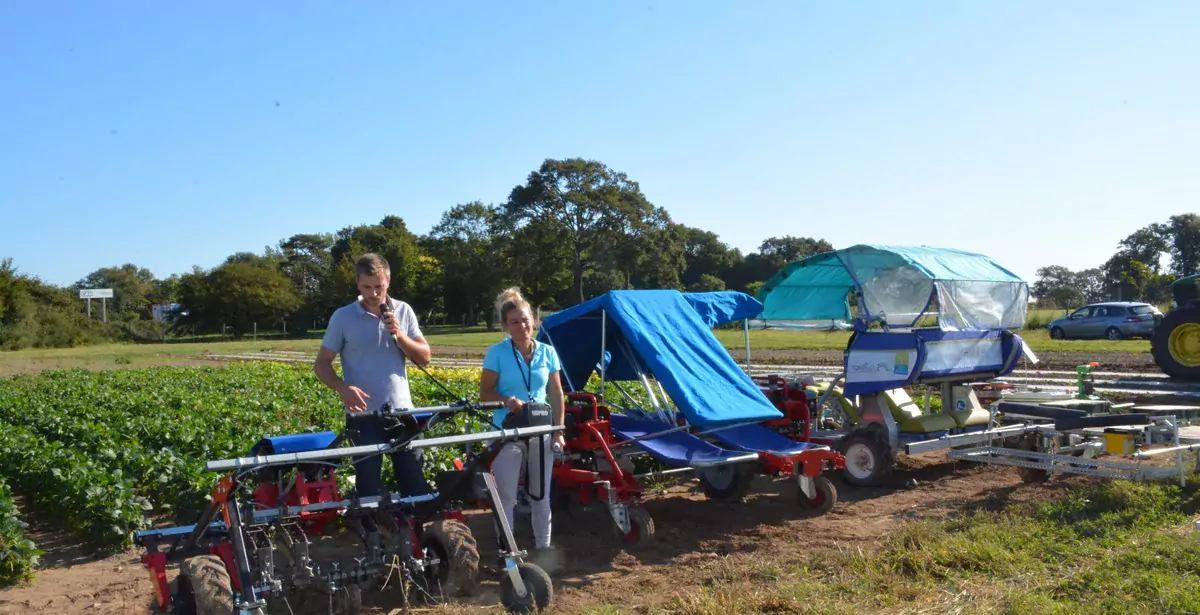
x,y
1114,320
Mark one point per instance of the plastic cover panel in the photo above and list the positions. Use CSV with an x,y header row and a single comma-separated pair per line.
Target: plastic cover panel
x,y
982,305
899,294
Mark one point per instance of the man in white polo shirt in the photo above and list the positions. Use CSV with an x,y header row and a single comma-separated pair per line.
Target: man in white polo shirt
x,y
374,344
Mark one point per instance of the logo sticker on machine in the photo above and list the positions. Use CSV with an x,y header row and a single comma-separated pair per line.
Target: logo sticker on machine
x,y
901,368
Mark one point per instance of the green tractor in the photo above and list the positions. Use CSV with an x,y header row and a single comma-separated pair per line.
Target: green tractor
x,y
1176,340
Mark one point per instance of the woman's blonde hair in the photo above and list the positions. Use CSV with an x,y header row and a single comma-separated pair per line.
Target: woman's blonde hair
x,y
508,301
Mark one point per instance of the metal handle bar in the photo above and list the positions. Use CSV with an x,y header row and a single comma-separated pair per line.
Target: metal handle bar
x,y
262,461
387,409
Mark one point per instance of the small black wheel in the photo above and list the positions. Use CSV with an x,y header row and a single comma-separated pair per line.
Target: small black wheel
x,y
867,460
1058,334
1030,475
204,587
641,528
539,590
727,482
347,600
1114,333
826,496
452,543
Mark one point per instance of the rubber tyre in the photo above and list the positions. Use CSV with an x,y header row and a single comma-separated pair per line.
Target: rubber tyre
x,y
1058,334
641,529
348,600
1030,475
541,591
1160,344
869,448
729,482
204,587
1114,334
826,496
454,544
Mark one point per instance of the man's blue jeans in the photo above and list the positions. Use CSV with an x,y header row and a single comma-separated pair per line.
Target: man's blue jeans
x,y
406,465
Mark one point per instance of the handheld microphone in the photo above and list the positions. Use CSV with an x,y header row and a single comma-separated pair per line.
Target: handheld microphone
x,y
386,308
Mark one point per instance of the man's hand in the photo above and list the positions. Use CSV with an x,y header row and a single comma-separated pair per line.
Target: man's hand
x,y
390,322
354,398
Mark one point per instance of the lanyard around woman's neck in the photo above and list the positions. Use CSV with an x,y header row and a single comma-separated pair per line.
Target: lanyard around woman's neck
x,y
527,378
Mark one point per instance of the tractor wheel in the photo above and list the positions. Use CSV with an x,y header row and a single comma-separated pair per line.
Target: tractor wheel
x,y
537,584
826,496
727,482
867,460
641,528
452,543
204,587
1175,344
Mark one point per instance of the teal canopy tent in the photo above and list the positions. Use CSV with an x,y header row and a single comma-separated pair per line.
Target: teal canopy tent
x,y
900,286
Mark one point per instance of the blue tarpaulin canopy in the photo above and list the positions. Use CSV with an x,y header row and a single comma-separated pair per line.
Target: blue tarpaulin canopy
x,y
899,284
667,334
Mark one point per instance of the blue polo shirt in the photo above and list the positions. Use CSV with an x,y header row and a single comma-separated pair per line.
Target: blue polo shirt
x,y
506,361
371,360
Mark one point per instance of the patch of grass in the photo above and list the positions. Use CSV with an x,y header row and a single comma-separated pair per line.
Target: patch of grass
x,y
106,356
1113,547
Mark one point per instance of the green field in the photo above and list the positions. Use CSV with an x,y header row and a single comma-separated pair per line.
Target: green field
x,y
194,352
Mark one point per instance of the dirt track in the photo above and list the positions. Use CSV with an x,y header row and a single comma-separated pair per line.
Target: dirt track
x,y
694,535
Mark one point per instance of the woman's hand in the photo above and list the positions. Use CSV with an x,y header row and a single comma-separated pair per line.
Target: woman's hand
x,y
515,405
559,442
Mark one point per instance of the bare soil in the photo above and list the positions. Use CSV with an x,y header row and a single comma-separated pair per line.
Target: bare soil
x,y
591,569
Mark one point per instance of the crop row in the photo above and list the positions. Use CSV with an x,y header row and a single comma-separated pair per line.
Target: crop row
x,y
18,554
104,453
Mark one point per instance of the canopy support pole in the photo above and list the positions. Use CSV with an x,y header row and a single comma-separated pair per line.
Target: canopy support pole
x,y
603,343
746,330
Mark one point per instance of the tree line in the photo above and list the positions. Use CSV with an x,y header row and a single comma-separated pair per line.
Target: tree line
x,y
1134,272
573,230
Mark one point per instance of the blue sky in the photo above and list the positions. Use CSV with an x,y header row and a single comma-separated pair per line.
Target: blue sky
x,y
173,137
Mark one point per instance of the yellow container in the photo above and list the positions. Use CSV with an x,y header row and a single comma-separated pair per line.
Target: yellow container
x,y
1117,443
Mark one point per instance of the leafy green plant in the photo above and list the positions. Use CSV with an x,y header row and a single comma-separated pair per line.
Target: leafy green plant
x,y
18,555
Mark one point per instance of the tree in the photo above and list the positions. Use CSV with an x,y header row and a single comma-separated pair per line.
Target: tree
x,y
707,282
537,260
705,254
237,295
1146,246
1060,287
649,255
390,239
772,255
1147,284
465,242
36,314
783,250
1091,282
306,260
133,288
1183,232
587,204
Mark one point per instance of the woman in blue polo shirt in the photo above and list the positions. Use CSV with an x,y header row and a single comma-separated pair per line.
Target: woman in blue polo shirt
x,y
517,370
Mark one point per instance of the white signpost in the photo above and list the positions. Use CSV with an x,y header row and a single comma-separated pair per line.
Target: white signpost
x,y
104,294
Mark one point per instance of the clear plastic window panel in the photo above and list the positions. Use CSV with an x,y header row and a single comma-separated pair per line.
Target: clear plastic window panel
x,y
900,295
982,305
